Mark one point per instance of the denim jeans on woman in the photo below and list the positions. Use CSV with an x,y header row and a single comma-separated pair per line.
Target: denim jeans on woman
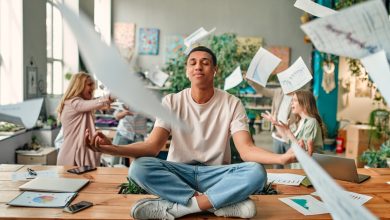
x,y
177,182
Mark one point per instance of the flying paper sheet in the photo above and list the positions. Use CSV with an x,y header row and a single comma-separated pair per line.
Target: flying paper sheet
x,y
158,77
377,67
306,204
354,32
234,79
336,200
28,111
262,66
108,65
195,37
296,76
314,8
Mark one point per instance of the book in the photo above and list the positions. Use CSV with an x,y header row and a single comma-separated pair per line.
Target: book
x,y
43,199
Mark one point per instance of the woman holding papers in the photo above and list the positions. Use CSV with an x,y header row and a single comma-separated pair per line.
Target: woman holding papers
x,y
309,126
75,112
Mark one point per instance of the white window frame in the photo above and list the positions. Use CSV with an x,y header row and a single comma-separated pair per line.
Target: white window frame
x,y
54,51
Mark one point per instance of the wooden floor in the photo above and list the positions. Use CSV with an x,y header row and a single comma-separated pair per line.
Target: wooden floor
x,y
103,188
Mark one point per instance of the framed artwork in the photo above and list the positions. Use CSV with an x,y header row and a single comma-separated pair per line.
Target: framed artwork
x,y
243,43
32,81
284,54
174,45
148,41
124,38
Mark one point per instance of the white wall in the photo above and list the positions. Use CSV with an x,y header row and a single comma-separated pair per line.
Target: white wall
x,y
277,21
11,51
34,42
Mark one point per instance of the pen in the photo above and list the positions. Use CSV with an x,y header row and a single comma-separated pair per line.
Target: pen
x,y
32,172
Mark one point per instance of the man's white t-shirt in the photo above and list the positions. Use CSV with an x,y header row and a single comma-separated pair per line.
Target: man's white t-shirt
x,y
212,125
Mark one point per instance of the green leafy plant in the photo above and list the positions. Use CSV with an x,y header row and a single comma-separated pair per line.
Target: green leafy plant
x,y
225,47
131,188
267,190
68,75
346,3
375,158
379,118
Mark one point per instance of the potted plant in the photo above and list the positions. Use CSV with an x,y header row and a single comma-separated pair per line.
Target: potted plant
x,y
131,188
377,158
385,149
379,120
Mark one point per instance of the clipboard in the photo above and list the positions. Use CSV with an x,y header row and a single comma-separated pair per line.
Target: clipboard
x,y
43,199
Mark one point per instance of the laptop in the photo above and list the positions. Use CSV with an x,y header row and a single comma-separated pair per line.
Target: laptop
x,y
45,184
340,168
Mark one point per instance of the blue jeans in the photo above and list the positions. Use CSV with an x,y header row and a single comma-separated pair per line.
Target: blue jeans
x,y
177,182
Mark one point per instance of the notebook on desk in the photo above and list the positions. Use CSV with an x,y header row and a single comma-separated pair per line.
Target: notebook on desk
x,y
340,168
54,184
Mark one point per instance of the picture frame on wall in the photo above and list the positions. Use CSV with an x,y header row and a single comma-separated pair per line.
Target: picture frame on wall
x,y
148,41
32,81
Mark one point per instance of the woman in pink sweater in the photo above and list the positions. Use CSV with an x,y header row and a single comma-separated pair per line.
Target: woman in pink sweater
x,y
76,113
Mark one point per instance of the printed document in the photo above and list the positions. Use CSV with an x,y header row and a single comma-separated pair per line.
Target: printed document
x,y
234,79
296,76
313,8
262,66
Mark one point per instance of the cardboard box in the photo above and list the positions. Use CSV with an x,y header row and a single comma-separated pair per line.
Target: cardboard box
x,y
359,140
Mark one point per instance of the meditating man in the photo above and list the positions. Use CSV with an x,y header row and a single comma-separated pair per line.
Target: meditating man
x,y
197,174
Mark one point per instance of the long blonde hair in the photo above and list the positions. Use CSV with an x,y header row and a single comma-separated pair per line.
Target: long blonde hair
x,y
76,87
307,101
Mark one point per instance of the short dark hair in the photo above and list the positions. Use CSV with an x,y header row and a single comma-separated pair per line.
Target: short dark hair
x,y
203,49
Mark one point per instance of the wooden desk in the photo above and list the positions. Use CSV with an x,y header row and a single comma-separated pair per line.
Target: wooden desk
x,y
102,191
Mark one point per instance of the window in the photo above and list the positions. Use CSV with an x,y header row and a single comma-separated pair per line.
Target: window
x,y
54,47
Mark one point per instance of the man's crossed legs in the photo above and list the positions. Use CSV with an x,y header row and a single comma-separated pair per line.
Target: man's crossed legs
x,y
184,189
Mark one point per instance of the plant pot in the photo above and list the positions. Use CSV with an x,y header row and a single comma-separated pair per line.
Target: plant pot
x,y
388,161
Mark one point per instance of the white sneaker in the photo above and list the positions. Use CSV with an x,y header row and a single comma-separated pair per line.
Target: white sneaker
x,y
244,209
152,209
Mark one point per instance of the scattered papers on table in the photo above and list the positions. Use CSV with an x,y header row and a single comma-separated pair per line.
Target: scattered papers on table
x,y
360,198
285,178
306,204
43,199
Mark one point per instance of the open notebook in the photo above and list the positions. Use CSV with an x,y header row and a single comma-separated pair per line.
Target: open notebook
x,y
45,184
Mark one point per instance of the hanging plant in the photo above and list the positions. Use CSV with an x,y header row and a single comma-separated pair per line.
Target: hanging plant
x,y
346,3
355,66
